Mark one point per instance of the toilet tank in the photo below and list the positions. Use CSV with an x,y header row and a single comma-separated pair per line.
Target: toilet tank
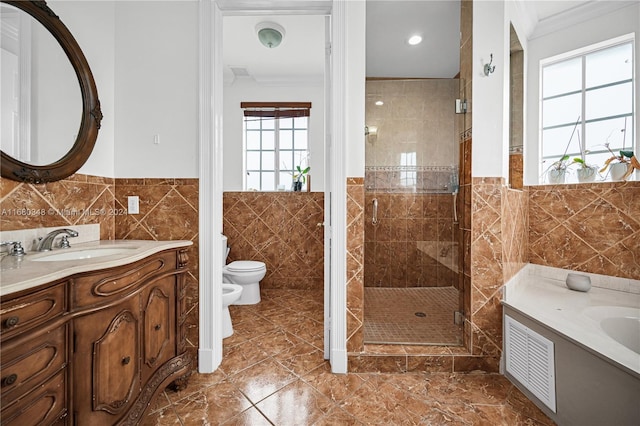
x,y
225,250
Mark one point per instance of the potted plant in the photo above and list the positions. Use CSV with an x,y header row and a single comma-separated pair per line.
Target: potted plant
x,y
620,166
300,177
557,171
585,172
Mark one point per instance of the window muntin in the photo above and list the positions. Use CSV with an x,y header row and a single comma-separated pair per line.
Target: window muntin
x,y
597,89
274,146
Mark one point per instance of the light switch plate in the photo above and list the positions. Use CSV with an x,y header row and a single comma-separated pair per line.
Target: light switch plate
x,y
133,206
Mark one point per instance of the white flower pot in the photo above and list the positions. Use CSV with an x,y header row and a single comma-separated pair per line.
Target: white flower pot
x,y
587,174
618,170
556,176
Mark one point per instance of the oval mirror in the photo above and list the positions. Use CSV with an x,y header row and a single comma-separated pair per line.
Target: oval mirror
x,y
50,108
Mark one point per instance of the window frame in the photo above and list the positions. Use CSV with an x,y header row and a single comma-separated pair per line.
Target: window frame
x,y
582,53
276,111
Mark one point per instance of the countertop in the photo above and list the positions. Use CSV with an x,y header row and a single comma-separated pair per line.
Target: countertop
x,y
552,304
21,273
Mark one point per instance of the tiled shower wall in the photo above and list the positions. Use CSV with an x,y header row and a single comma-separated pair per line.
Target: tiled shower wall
x,y
411,159
412,244
282,229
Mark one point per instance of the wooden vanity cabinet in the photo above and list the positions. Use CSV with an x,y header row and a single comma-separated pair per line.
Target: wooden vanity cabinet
x,y
100,360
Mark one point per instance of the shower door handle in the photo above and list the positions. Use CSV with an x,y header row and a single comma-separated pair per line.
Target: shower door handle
x,y
374,219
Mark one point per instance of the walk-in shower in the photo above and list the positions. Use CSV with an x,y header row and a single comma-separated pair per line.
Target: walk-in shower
x,y
411,229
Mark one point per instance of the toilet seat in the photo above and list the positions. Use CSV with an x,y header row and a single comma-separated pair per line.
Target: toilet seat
x,y
245,266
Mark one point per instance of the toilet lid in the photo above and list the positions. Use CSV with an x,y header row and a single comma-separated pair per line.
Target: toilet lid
x,y
245,266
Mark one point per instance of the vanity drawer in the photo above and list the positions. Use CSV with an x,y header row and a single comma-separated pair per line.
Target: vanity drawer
x,y
46,405
117,283
28,362
23,313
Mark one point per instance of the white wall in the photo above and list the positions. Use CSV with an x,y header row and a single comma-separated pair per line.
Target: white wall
x,y
247,90
92,25
490,96
355,87
600,28
156,89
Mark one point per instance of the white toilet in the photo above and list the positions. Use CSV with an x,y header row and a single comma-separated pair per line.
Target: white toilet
x,y
230,293
246,273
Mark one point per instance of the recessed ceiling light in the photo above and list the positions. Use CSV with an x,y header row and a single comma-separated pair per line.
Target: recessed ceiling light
x,y
379,103
415,39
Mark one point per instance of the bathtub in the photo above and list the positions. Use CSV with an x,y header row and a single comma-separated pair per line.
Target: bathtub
x,y
595,344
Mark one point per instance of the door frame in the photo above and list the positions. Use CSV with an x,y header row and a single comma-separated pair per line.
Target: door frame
x,y
210,140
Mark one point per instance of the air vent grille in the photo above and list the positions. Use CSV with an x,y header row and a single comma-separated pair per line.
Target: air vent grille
x,y
530,360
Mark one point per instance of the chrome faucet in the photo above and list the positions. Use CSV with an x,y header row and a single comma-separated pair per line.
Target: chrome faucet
x,y
46,243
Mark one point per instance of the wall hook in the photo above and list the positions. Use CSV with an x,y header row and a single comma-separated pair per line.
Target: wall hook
x,y
488,69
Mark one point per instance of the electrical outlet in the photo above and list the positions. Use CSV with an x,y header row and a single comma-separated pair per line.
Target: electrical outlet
x,y
133,204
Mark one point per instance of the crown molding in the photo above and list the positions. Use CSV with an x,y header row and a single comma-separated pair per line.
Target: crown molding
x,y
576,15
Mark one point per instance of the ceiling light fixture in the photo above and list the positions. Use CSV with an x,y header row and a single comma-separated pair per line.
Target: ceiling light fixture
x,y
379,103
270,34
414,39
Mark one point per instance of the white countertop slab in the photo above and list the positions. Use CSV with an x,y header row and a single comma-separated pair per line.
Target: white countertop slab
x,y
21,273
551,303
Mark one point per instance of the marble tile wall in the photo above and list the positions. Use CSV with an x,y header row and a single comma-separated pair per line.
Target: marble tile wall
x,y
414,126
586,227
410,179
516,170
515,231
280,229
355,264
412,244
77,200
168,211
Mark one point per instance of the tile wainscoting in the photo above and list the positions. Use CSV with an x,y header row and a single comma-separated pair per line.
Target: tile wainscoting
x,y
590,227
282,229
168,211
77,200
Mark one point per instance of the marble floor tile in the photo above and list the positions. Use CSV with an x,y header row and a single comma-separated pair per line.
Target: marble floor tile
x,y
273,373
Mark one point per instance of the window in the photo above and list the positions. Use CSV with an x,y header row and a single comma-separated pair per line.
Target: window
x,y
587,101
276,140
408,173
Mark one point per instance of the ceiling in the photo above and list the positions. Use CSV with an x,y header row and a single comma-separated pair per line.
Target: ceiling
x,y
300,57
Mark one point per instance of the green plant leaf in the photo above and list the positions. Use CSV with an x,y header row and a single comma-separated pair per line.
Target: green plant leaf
x,y
578,160
564,158
627,154
306,170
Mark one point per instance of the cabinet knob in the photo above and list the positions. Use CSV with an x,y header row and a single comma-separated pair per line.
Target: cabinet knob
x,y
158,327
11,322
9,380
126,360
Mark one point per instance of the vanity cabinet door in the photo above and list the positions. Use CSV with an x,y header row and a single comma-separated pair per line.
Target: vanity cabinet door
x,y
159,311
106,363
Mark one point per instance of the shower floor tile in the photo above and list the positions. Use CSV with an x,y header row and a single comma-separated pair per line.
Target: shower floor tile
x,y
411,316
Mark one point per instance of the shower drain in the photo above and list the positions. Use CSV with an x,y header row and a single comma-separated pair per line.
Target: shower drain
x,y
420,314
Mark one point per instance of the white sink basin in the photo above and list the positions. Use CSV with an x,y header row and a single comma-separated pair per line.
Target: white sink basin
x,y
90,253
620,323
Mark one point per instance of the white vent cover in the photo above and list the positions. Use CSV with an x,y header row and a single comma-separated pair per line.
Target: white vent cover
x,y
530,360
